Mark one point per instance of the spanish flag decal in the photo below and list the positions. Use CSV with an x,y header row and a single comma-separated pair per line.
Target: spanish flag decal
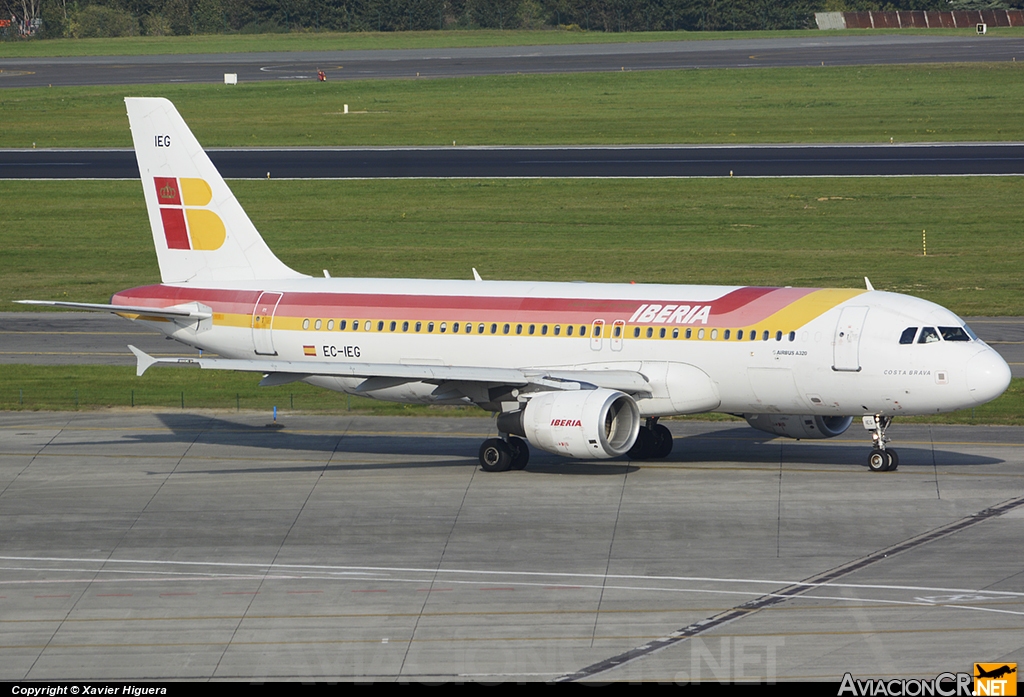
x,y
309,350
188,224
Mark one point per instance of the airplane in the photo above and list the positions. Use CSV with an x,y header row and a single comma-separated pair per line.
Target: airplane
x,y
583,370
994,673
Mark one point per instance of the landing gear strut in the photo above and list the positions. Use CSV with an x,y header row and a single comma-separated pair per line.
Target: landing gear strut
x,y
503,454
654,441
881,459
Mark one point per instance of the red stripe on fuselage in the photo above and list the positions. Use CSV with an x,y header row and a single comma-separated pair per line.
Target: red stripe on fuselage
x,y
463,307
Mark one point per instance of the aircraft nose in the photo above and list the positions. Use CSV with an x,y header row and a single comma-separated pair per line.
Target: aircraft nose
x,y
988,376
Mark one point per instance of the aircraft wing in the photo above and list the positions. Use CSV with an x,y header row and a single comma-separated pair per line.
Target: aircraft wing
x,y
174,312
282,372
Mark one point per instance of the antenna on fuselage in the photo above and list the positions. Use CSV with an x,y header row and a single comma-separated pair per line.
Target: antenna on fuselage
x,y
868,283
476,276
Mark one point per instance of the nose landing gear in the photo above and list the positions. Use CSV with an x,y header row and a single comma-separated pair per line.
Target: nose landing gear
x,y
881,459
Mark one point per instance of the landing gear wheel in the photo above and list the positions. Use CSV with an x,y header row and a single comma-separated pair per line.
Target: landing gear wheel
x,y
662,442
520,453
878,461
894,460
643,447
495,455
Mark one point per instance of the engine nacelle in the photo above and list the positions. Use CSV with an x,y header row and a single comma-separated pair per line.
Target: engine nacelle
x,y
800,426
585,424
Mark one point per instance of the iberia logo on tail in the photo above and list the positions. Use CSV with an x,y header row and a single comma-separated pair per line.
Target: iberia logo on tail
x,y
187,223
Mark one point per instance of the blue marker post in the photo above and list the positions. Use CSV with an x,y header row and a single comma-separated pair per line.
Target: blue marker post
x,y
275,414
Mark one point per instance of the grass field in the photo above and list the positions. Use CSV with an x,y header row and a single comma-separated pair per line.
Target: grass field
x,y
976,102
341,41
70,387
88,239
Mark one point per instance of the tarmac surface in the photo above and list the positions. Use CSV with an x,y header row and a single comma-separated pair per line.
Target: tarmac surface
x,y
664,161
814,49
86,338
141,545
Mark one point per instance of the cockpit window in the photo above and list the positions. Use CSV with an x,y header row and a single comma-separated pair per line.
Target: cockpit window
x,y
954,334
907,337
928,336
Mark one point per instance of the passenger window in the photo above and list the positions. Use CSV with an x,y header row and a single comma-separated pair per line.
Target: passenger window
x,y
380,325
907,337
764,336
330,325
341,325
618,331
419,326
392,326
661,333
444,327
650,332
726,335
544,330
455,328
792,336
675,333
305,324
953,334
532,329
928,336
355,325
519,329
405,326
689,333
504,329
739,335
700,333
636,332
568,330
778,335
714,334
583,330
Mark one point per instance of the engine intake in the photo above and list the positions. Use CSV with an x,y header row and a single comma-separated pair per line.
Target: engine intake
x,y
800,426
584,424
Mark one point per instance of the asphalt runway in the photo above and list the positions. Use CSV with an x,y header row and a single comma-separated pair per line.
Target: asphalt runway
x,y
141,545
85,338
816,49
663,161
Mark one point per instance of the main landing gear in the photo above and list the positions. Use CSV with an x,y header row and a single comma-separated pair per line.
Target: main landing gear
x,y
653,442
881,459
503,454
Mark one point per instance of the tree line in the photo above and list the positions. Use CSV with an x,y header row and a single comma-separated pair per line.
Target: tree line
x,y
102,18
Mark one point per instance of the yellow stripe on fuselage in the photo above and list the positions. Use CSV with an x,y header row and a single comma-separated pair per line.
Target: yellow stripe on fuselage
x,y
811,306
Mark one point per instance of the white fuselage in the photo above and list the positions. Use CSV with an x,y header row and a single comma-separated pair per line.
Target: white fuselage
x,y
825,352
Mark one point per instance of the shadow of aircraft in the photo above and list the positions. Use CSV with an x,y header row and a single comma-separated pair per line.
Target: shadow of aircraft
x,y
740,444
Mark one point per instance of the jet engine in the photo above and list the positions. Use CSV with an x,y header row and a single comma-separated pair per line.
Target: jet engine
x,y
585,424
800,426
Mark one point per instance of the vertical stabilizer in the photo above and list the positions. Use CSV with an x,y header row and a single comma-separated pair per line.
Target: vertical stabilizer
x,y
200,231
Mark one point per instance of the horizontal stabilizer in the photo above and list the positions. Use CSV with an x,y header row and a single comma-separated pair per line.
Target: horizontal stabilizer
x,y
168,312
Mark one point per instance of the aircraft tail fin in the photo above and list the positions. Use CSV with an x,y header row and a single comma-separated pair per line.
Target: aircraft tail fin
x,y
200,230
